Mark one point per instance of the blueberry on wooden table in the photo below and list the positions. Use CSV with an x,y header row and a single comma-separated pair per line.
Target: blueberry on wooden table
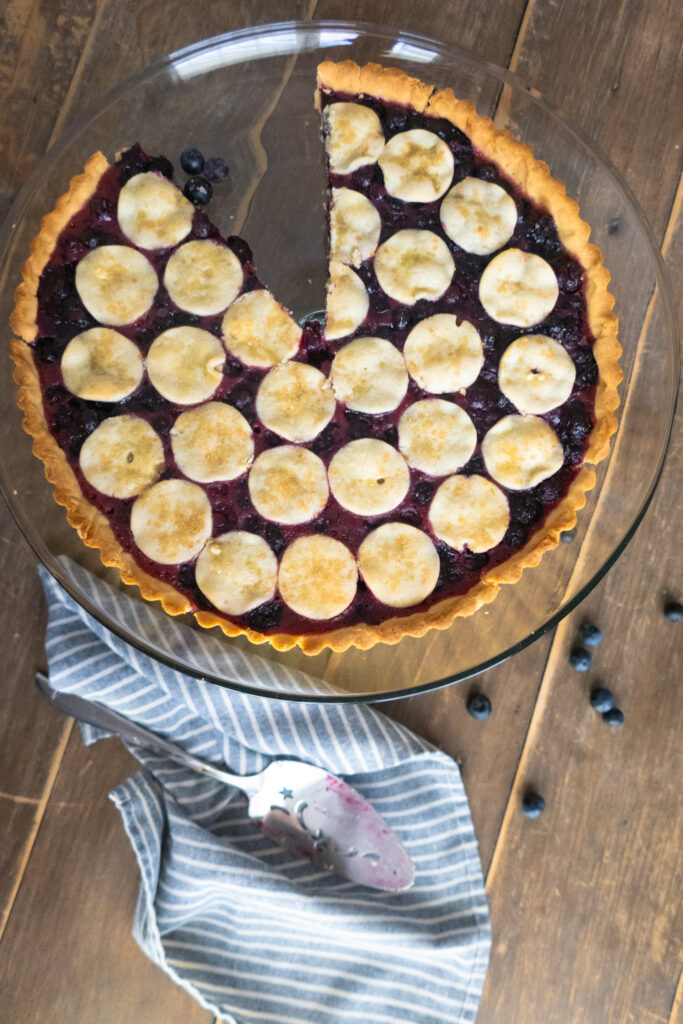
x,y
590,634
478,705
567,536
192,161
601,699
198,190
580,659
615,716
673,610
533,804
216,169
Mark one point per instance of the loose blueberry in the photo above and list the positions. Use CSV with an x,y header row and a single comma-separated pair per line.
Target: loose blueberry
x,y
601,699
533,804
216,169
199,191
673,610
478,705
192,161
580,659
615,716
590,634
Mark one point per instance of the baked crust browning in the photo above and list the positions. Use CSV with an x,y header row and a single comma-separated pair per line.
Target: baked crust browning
x,y
91,525
529,174
81,188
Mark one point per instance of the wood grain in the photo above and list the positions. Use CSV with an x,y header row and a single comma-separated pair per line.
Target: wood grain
x,y
74,912
583,899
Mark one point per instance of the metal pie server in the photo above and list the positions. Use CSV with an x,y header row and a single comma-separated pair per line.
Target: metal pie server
x,y
300,806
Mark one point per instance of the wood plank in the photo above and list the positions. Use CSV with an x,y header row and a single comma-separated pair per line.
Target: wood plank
x,y
40,49
612,66
463,24
603,895
74,911
487,751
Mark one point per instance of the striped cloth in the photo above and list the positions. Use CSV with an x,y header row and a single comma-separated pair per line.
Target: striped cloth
x,y
253,932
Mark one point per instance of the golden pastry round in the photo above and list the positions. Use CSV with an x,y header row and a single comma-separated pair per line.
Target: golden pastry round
x,y
400,564
212,442
171,521
101,365
520,451
518,288
203,277
536,374
295,401
413,265
116,284
369,375
417,166
443,355
153,212
469,511
122,456
368,477
436,437
288,484
185,364
259,331
318,577
237,572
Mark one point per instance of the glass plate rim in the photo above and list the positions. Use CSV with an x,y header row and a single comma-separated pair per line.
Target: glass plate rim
x,y
338,26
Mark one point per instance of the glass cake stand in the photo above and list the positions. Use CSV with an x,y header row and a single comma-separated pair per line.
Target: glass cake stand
x,y
248,96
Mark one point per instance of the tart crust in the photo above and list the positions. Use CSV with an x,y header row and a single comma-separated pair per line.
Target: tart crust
x,y
533,176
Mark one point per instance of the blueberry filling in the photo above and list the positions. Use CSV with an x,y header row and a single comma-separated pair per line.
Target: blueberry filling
x,y
62,316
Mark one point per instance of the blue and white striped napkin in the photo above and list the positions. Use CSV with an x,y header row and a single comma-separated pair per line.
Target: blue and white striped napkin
x,y
253,932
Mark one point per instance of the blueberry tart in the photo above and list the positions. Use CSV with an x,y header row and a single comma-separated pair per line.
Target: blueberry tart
x,y
328,485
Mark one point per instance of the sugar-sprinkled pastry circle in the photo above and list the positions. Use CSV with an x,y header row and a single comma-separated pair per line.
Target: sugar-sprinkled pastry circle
x,y
203,277
469,511
259,332
368,477
212,442
295,401
479,216
153,212
518,288
101,365
185,364
369,375
536,373
443,355
122,456
116,284
171,521
399,563
520,451
237,572
355,226
347,301
436,436
417,166
413,265
318,577
288,484
354,136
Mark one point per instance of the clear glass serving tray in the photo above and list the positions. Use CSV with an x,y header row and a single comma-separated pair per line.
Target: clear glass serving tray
x,y
248,96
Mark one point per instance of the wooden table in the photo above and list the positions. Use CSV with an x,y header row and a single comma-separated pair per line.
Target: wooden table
x,y
584,899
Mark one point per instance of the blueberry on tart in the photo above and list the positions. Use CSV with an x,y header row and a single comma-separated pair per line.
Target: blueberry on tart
x,y
336,485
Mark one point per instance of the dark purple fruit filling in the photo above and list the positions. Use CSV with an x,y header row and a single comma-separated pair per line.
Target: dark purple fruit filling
x,y
62,316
